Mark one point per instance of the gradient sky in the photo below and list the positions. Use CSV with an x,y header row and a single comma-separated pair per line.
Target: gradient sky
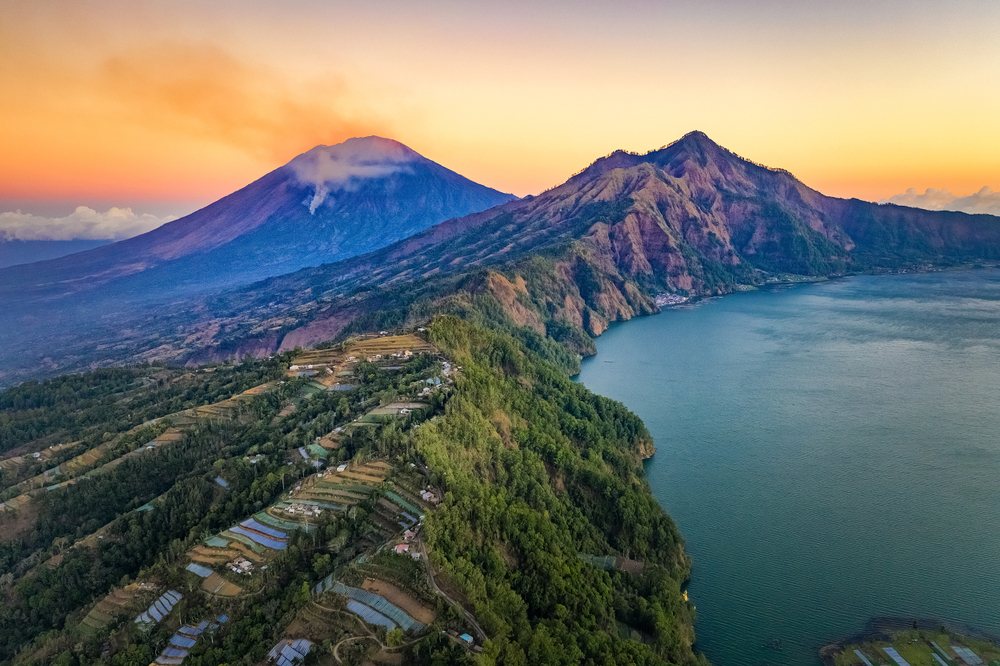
x,y
166,106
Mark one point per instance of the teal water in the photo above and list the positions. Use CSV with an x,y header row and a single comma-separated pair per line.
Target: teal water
x,y
830,453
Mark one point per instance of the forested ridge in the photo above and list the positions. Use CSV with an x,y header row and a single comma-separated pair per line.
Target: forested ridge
x,y
535,471
539,469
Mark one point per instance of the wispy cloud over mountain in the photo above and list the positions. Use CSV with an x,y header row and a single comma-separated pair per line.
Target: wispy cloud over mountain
x,y
82,223
346,165
984,201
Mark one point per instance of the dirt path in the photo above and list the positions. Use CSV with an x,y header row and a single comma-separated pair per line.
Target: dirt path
x,y
470,618
370,636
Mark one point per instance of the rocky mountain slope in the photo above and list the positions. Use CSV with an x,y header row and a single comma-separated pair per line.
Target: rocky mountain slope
x,y
690,219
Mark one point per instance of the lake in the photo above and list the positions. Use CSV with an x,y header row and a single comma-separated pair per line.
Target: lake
x,y
830,453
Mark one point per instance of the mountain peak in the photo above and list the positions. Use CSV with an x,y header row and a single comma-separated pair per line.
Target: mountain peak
x,y
697,136
696,142
698,139
364,150
344,166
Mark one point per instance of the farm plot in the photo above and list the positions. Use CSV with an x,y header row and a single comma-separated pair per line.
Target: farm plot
x,y
396,516
398,597
118,603
320,623
361,476
258,537
374,608
413,499
329,366
385,522
216,584
236,537
342,489
266,518
219,551
16,502
86,460
43,456
203,555
184,639
158,609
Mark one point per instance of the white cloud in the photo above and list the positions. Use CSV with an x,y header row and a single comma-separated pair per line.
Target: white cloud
x,y
984,201
83,223
345,165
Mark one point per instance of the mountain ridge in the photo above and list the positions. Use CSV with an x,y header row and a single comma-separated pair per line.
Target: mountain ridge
x,y
691,219
684,235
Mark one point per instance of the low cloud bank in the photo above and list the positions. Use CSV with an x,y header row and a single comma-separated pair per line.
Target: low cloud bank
x,y
984,201
82,223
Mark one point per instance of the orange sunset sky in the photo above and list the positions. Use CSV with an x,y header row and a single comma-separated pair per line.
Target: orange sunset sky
x,y
167,106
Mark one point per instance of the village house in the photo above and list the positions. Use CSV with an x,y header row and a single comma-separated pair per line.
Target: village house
x,y
241,565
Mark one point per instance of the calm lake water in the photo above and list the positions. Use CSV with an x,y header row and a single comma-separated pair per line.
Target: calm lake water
x,y
830,453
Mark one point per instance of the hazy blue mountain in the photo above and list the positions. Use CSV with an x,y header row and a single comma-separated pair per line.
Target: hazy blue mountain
x,y
16,252
328,204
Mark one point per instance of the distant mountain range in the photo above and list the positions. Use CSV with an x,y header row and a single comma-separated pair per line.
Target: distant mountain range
x,y
16,252
692,219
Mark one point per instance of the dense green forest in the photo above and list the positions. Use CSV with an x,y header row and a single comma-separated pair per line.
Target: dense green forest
x,y
538,469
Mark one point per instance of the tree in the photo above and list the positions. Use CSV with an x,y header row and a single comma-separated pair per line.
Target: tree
x,y
394,637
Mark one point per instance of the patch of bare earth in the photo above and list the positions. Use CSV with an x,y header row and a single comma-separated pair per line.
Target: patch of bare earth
x,y
394,595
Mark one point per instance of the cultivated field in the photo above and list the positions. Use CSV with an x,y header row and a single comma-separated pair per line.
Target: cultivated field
x,y
396,596
332,366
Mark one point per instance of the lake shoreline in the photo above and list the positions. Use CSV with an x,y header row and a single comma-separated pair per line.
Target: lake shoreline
x,y
886,629
784,282
805,523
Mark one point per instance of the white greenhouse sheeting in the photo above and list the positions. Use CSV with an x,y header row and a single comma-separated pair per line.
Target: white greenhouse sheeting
x,y
895,656
199,570
159,608
967,655
370,616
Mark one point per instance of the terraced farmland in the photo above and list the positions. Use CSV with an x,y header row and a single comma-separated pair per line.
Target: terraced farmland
x,y
375,609
84,464
415,609
118,603
184,639
339,362
158,610
44,455
338,490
